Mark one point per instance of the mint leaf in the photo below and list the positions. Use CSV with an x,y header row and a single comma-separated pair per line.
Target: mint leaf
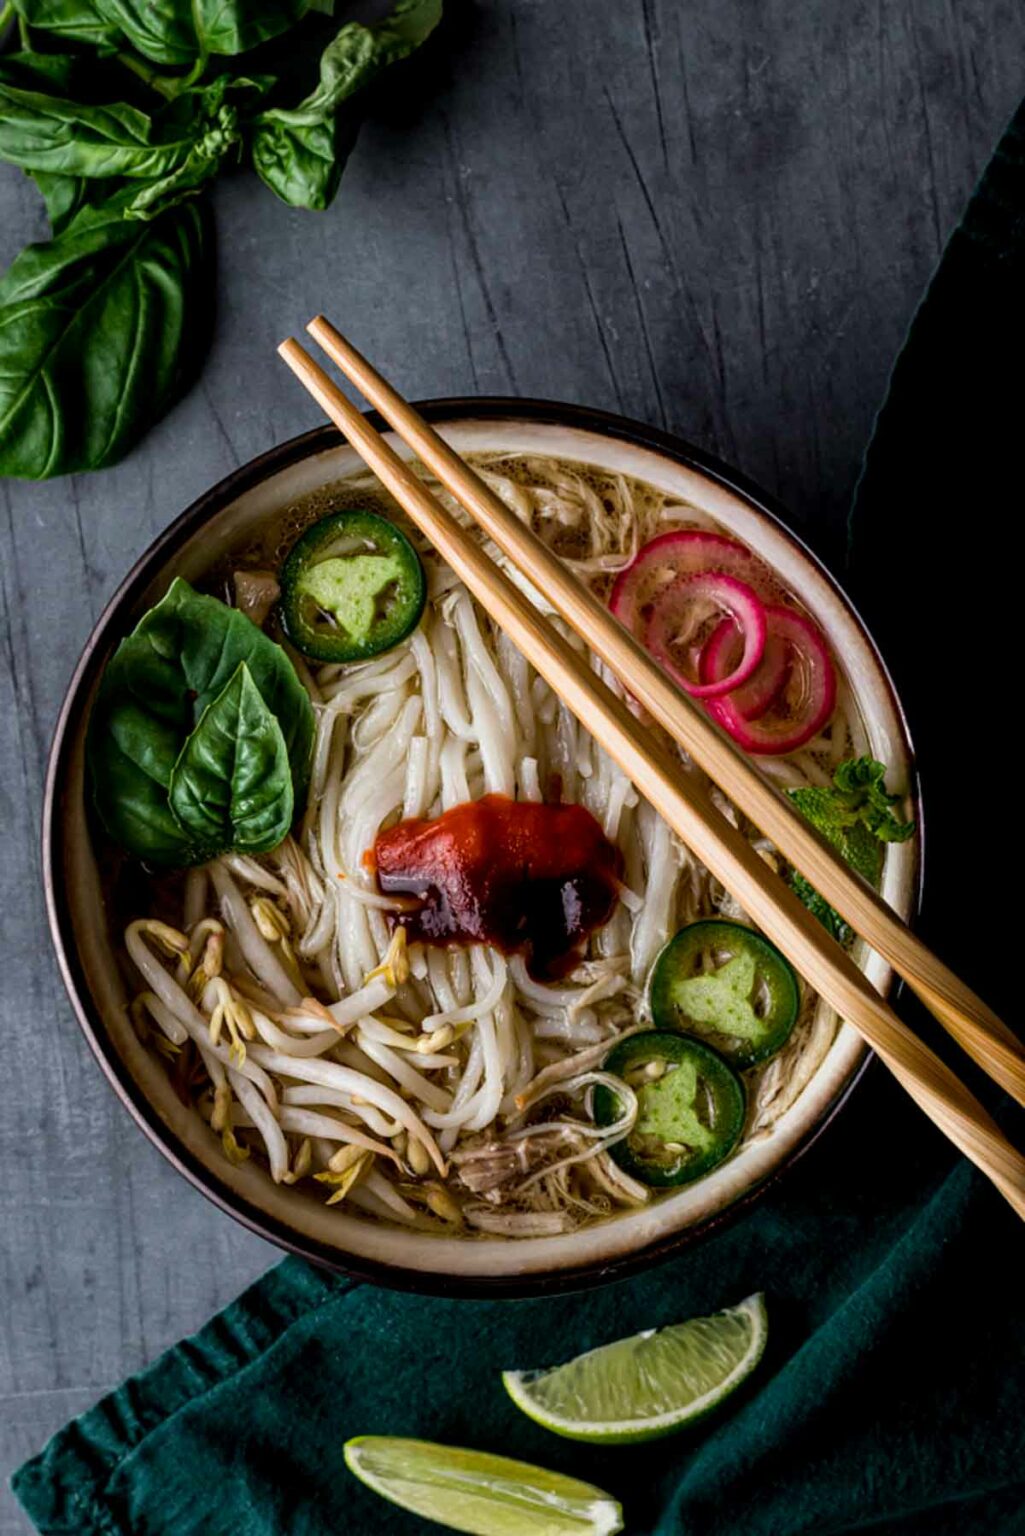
x,y
819,907
855,815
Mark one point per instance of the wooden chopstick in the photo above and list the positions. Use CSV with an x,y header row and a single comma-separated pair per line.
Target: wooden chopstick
x,y
980,1032
828,969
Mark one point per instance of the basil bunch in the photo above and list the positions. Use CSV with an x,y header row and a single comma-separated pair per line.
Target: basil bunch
x,y
200,738
100,326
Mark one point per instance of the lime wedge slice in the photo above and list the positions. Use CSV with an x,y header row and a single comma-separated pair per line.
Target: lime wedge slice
x,y
647,1385
485,1495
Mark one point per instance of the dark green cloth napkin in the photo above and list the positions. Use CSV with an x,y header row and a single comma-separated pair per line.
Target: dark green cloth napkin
x,y
892,1394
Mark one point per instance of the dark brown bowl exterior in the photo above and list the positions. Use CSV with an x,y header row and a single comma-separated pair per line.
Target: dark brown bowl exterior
x,y
58,813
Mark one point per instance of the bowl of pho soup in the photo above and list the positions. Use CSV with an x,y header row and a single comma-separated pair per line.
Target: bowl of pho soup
x,y
373,940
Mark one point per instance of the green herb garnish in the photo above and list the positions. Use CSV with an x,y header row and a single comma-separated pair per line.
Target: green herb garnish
x,y
200,738
120,111
855,815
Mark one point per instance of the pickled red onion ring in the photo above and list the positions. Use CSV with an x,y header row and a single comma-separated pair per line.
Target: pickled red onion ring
x,y
671,555
803,705
718,657
676,603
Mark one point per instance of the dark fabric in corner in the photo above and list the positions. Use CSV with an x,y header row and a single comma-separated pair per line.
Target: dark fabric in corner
x,y
935,561
892,1395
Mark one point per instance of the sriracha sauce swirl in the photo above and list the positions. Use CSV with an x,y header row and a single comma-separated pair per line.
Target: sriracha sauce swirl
x,y
524,876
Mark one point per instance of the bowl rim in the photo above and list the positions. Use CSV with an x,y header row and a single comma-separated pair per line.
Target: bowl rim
x,y
70,718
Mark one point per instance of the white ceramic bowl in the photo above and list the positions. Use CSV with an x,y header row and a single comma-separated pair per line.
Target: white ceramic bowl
x,y
87,939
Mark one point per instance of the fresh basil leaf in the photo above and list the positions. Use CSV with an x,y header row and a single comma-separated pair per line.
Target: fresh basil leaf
x,y
64,196
206,122
60,73
72,21
178,32
301,152
409,24
83,77
347,63
64,75
175,152
303,165
131,769
99,328
41,132
231,788
161,680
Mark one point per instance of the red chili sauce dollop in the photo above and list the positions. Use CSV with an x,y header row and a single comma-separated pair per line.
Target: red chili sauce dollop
x,y
526,877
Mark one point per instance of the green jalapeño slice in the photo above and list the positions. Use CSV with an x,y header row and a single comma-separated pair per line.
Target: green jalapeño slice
x,y
728,985
690,1107
352,587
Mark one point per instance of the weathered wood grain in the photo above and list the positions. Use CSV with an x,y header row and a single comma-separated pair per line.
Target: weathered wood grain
x,y
713,217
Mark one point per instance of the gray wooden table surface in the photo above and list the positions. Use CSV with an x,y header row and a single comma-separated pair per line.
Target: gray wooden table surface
x,y
714,216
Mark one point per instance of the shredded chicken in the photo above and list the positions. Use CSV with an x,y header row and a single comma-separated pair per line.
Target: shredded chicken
x,y
487,1168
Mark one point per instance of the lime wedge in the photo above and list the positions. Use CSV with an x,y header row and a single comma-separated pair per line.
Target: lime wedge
x,y
485,1495
647,1385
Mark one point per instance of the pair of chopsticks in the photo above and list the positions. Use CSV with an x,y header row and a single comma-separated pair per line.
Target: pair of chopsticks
x,y
685,806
